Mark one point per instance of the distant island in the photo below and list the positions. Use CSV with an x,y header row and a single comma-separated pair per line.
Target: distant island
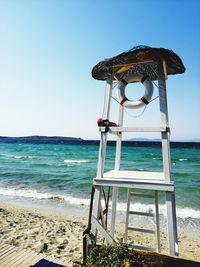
x,y
157,140
138,142
37,139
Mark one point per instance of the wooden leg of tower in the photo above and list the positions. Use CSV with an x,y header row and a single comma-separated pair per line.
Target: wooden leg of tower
x,y
98,210
172,224
157,221
96,207
114,210
170,196
117,167
127,215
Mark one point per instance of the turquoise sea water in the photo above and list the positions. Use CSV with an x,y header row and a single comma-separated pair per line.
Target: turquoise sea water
x,y
65,172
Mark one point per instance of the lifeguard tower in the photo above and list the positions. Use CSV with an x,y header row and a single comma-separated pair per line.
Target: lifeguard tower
x,y
146,65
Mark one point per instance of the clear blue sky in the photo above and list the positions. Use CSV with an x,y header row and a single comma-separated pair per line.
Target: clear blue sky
x,y
48,49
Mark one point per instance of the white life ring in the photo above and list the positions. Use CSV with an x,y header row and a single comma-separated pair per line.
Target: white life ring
x,y
124,101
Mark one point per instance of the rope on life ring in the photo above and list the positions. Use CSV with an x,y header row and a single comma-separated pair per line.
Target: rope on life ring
x,y
144,100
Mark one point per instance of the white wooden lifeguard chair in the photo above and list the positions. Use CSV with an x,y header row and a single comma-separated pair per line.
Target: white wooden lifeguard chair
x,y
156,63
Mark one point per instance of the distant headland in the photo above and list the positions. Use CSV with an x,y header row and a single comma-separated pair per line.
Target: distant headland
x,y
138,142
37,139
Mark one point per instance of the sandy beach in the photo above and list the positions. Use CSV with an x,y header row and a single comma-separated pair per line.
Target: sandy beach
x,y
61,235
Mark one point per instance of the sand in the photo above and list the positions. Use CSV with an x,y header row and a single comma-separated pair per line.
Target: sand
x,y
61,236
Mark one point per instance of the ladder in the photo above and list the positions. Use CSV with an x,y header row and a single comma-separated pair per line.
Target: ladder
x,y
154,215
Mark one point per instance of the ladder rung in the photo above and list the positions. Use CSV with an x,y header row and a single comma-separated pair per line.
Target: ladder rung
x,y
134,129
141,195
142,213
141,230
136,246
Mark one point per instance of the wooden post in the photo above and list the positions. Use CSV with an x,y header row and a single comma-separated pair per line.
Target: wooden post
x,y
170,197
117,167
127,214
119,139
157,220
102,151
103,141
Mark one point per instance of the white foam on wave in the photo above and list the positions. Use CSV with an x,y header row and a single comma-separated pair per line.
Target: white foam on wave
x,y
181,212
27,193
33,193
121,206
73,161
77,201
23,157
188,213
182,159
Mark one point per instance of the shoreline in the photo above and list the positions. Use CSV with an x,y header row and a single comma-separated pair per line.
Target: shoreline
x,y
60,235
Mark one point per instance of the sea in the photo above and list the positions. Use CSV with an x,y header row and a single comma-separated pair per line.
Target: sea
x,y
57,176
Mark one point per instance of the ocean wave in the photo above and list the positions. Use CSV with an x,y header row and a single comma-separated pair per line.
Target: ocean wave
x,y
22,157
26,193
73,161
77,201
182,159
33,193
188,213
182,212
